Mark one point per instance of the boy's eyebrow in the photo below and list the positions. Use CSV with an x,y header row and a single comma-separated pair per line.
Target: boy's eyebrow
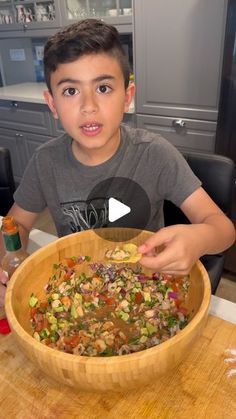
x,y
97,79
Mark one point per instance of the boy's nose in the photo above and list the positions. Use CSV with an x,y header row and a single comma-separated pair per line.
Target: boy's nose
x,y
89,104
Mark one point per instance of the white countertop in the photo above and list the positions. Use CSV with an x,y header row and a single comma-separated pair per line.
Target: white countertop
x,y
24,92
30,92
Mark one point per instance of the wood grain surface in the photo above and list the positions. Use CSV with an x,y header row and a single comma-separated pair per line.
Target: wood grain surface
x,y
198,388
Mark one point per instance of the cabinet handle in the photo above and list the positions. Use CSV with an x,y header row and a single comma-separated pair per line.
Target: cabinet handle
x,y
18,135
178,123
14,104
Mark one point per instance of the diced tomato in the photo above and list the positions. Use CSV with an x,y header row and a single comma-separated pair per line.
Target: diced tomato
x,y
33,311
178,302
174,287
43,306
42,324
38,327
183,310
109,301
67,275
138,298
66,301
72,340
68,262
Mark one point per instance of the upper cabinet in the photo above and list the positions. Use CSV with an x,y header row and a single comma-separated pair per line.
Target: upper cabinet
x,y
42,17
116,12
27,15
178,57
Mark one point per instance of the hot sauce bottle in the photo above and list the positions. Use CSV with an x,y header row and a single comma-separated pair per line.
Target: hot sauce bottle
x,y
15,254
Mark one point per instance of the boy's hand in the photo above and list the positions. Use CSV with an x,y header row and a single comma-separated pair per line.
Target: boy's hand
x,y
3,281
172,250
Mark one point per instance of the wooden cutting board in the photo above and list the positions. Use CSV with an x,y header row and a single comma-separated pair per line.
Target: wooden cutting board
x,y
198,388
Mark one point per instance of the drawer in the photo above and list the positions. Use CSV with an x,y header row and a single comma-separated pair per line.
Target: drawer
x,y
24,116
185,134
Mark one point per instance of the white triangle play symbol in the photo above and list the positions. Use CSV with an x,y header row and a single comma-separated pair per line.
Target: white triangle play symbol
x,y
116,209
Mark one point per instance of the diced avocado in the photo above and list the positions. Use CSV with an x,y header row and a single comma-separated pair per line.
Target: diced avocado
x,y
147,296
44,333
150,328
33,301
144,331
51,319
58,309
73,311
124,316
143,339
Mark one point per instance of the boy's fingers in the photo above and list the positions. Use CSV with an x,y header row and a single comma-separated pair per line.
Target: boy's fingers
x,y
3,277
156,240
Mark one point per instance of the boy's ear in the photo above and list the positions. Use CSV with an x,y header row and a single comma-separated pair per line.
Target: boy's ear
x,y
129,94
49,99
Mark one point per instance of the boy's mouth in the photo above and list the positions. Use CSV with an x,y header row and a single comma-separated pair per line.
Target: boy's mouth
x,y
91,129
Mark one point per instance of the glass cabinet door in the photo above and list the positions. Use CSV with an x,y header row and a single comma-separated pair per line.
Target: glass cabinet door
x,y
27,14
79,9
6,13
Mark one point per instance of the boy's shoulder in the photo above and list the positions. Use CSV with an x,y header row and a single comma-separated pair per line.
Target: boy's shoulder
x,y
147,139
140,135
54,143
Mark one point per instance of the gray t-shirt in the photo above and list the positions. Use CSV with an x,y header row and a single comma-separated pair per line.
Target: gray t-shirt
x,y
54,178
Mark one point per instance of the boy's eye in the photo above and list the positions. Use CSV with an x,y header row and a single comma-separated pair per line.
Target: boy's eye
x,y
103,88
71,91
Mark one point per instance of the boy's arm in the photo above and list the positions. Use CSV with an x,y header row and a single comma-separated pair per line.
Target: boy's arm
x,y
210,232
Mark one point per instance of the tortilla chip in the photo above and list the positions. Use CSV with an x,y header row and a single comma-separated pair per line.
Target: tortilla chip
x,y
131,254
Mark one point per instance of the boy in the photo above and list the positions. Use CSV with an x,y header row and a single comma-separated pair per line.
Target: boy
x,y
87,76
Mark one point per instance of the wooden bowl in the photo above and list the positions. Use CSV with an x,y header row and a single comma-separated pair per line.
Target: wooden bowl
x,y
88,373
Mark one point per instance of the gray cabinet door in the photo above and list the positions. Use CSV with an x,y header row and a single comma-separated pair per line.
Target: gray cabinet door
x,y
178,56
193,135
24,116
14,142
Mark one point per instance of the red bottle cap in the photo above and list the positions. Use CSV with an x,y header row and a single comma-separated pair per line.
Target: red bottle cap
x,y
4,327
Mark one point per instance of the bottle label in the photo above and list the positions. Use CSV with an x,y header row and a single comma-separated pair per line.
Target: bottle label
x,y
12,241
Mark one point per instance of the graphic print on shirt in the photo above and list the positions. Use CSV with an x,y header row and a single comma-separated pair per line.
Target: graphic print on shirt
x,y
84,215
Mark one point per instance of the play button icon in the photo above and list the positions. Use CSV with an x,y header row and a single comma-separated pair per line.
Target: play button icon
x,y
116,209
117,202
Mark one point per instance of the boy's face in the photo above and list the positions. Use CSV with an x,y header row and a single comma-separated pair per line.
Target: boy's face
x,y
89,98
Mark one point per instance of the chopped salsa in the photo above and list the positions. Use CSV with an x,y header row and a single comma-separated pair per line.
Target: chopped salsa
x,y
107,309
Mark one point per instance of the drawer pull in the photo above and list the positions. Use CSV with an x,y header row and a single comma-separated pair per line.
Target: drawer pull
x,y
19,135
179,123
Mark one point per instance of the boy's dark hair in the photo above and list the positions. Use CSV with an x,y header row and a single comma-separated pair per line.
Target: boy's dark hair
x,y
88,36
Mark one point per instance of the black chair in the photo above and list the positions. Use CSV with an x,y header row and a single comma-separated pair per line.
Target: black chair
x,y
7,184
217,174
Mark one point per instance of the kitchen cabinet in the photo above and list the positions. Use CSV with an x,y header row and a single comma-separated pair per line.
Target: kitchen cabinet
x,y
186,135
178,61
23,127
26,15
115,12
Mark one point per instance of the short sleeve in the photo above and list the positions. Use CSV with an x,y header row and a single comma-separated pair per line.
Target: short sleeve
x,y
29,194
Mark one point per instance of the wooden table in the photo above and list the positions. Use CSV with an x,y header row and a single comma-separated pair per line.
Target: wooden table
x,y
198,388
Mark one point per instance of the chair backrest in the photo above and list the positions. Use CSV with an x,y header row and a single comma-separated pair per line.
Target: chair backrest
x,y
7,184
217,174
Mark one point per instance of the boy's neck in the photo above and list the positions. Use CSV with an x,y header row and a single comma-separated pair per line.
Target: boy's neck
x,y
94,157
